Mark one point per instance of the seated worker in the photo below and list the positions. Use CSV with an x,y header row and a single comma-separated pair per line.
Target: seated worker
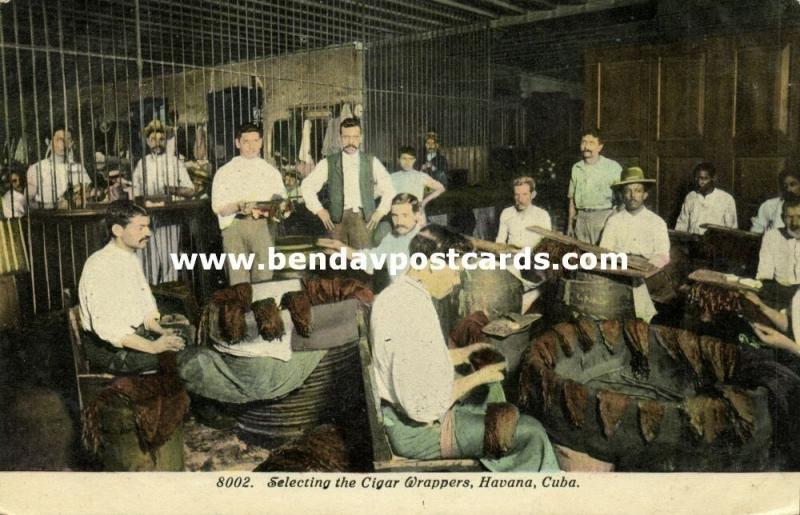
x,y
15,204
707,204
421,393
50,179
404,211
513,228
770,212
409,180
117,308
433,161
637,231
779,257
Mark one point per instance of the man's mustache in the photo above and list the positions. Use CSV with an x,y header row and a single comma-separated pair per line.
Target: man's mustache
x,y
146,238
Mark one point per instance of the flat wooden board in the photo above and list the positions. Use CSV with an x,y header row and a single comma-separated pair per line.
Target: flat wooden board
x,y
736,233
713,278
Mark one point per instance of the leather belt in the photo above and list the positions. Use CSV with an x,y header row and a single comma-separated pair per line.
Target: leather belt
x,y
592,210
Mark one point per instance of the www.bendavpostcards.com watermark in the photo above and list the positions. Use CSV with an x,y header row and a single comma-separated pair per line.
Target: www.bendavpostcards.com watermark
x,y
397,262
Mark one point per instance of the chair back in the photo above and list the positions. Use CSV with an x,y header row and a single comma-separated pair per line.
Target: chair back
x,y
89,383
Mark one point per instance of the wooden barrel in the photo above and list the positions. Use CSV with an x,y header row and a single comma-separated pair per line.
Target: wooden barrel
x,y
120,451
595,295
333,385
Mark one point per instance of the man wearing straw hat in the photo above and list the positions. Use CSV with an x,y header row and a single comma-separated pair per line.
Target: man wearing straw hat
x,y
637,231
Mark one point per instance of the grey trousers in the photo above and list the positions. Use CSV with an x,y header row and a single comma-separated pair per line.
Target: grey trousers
x,y
589,224
352,230
248,236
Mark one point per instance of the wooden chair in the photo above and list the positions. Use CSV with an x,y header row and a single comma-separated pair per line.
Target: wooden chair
x,y
89,383
384,460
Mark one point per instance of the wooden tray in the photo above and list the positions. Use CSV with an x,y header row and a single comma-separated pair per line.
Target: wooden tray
x,y
713,278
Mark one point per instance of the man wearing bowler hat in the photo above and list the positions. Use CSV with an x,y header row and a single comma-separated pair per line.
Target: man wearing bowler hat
x,y
637,231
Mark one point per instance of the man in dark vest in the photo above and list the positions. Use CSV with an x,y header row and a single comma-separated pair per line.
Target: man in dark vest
x,y
354,181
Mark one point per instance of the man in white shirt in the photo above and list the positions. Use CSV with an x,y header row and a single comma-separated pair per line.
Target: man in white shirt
x,y
515,220
707,204
117,307
416,380
15,203
49,179
770,213
158,174
246,178
409,180
779,257
354,181
638,231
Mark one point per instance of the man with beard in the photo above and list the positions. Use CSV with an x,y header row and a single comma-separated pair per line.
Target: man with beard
x,y
707,204
638,231
354,181
779,257
430,411
405,208
589,191
158,174
433,162
770,213
165,174
117,307
409,180
49,179
246,179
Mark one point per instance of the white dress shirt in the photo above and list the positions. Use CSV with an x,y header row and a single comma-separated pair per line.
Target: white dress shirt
x,y
411,361
514,225
779,257
769,216
643,234
114,295
352,191
162,170
244,180
718,207
14,204
50,180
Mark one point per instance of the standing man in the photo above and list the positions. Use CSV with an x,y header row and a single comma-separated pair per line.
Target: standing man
x,y
49,179
433,162
515,220
355,180
166,173
246,178
117,307
408,180
770,213
638,231
707,204
590,192
424,411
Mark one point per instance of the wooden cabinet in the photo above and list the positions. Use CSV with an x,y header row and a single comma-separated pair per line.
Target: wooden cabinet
x,y
728,100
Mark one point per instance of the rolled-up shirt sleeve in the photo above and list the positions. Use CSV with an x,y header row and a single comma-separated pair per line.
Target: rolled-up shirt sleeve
x,y
383,186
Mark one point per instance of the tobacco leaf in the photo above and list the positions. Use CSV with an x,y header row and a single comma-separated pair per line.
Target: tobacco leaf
x,y
268,319
689,344
667,337
706,415
720,356
588,333
500,424
651,414
576,396
741,408
612,406
637,336
568,334
612,334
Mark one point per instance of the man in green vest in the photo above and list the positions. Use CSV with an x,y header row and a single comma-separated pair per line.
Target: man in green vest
x,y
355,180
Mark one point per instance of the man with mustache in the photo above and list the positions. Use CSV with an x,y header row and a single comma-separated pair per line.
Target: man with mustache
x,y
590,192
155,175
515,220
49,179
404,214
117,307
770,213
433,162
354,180
779,257
707,204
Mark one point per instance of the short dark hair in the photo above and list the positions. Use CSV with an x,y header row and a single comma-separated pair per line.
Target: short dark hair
x,y
593,131
347,123
121,212
407,149
249,127
407,198
436,238
789,202
788,173
706,166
